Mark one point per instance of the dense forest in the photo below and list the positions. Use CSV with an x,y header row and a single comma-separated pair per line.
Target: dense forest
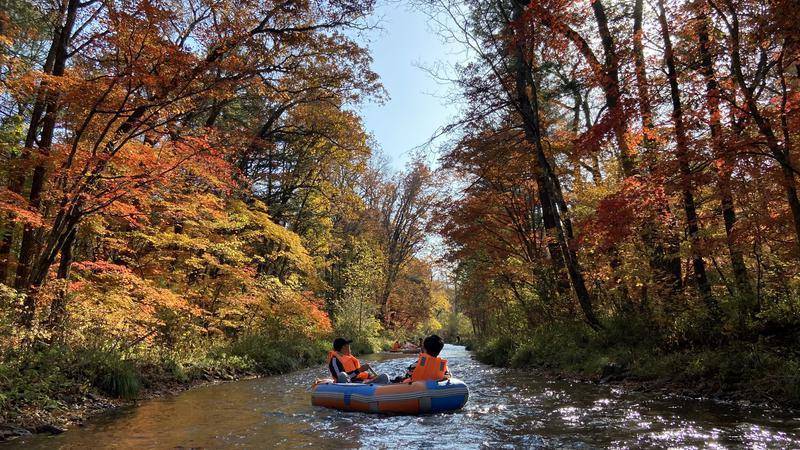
x,y
629,187
187,191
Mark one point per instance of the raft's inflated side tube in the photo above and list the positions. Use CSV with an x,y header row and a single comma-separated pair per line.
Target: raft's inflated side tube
x,y
401,398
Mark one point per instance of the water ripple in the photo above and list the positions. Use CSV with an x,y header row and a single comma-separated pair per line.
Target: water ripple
x,y
507,409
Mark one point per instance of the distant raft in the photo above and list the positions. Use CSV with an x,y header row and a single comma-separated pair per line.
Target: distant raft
x,y
406,350
420,397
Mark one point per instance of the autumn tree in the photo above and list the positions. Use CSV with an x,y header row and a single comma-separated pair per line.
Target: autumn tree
x,y
405,207
136,127
668,198
505,45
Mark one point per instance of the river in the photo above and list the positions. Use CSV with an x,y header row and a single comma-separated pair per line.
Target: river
x,y
506,409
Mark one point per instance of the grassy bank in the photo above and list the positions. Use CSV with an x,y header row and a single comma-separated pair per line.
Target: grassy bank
x,y
760,369
44,388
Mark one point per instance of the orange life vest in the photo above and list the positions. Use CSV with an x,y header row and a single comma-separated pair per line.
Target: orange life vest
x,y
349,363
429,368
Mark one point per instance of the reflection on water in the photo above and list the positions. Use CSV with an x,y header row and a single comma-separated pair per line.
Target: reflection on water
x,y
506,409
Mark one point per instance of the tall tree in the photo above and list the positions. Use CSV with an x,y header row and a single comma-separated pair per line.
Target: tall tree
x,y
684,165
770,37
551,197
405,212
725,161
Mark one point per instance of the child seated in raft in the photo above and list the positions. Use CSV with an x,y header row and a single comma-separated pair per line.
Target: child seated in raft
x,y
346,368
429,367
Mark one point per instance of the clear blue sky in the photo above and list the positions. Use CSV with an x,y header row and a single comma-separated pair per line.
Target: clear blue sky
x,y
416,107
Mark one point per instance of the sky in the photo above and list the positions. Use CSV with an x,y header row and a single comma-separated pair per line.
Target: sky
x,y
416,108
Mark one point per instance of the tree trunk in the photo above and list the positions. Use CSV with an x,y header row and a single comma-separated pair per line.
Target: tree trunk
x,y
724,163
682,150
58,308
642,89
611,87
6,242
664,261
528,105
27,247
16,181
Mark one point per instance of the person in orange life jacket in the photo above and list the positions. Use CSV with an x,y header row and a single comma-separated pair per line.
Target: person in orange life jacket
x,y
429,367
346,368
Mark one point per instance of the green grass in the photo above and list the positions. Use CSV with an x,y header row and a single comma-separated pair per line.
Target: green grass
x,y
108,370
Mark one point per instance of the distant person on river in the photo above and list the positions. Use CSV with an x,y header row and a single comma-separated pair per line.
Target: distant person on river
x,y
410,346
429,367
346,368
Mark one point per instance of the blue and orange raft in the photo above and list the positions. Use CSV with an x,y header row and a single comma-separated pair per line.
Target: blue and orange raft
x,y
420,397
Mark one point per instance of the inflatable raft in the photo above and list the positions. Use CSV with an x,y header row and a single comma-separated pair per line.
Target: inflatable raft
x,y
420,397
406,350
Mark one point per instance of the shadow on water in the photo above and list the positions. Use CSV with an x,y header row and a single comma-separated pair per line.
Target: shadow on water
x,y
506,409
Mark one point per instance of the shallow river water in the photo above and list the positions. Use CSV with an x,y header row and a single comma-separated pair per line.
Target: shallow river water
x,y
506,409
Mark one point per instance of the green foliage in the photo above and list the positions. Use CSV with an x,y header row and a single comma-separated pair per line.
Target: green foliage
x,y
455,324
31,378
354,311
273,357
498,351
782,312
357,320
753,368
108,370
176,370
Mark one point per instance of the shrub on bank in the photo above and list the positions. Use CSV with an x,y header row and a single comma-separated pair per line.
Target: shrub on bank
x,y
107,369
755,369
497,351
273,357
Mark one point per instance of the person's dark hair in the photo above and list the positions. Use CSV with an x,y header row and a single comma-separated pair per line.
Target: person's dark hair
x,y
340,342
433,345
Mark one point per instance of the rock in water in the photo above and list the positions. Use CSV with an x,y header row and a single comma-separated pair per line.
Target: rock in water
x,y
9,432
50,429
612,372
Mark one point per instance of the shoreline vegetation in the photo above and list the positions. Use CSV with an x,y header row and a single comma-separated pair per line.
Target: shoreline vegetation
x,y
54,389
745,372
754,375
49,390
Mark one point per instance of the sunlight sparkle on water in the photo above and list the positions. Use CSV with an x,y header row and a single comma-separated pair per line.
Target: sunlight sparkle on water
x,y
506,409
684,435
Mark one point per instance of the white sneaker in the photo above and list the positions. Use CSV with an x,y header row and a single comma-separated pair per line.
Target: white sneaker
x,y
381,379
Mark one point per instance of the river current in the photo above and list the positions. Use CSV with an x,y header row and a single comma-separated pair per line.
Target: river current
x,y
506,409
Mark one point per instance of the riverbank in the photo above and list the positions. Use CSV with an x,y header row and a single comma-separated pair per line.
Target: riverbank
x,y
506,409
74,412
760,370
50,389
